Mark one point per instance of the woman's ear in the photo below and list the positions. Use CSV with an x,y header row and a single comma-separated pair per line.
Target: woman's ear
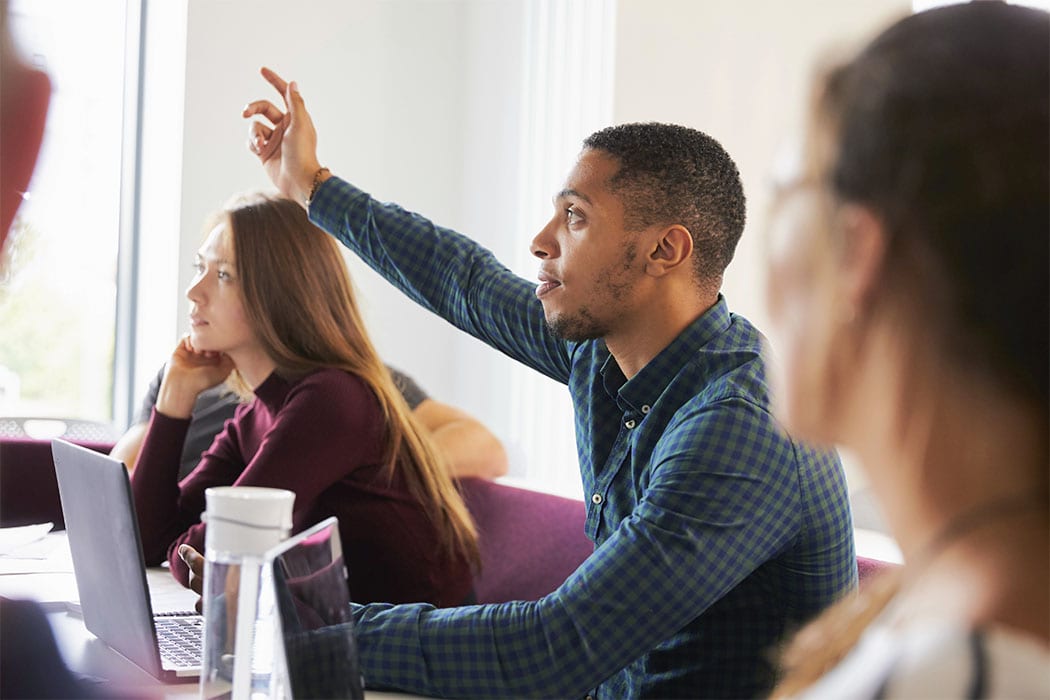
x,y
672,247
862,254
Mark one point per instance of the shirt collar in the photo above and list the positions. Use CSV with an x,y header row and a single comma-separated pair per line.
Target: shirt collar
x,y
645,387
273,390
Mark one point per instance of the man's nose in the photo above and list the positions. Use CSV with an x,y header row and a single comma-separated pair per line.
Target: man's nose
x,y
545,244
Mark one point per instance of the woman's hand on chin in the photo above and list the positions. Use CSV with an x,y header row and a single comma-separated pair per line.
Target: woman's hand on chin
x,y
189,372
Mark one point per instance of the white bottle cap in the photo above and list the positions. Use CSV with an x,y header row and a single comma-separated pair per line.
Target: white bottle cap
x,y
246,520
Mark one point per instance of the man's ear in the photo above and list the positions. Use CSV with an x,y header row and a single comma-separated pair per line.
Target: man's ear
x,y
862,255
671,248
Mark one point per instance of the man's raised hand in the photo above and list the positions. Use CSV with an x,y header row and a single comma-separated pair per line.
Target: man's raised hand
x,y
287,146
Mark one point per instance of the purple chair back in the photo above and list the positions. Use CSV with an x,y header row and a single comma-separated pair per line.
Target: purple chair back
x,y
28,488
868,568
530,541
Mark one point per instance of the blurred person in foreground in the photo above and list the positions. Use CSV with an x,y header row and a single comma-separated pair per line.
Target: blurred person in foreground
x,y
30,663
24,96
908,261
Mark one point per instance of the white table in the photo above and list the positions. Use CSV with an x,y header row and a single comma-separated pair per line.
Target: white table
x,y
877,545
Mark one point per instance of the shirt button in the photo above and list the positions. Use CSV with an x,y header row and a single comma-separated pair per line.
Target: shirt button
x,y
646,408
630,424
596,499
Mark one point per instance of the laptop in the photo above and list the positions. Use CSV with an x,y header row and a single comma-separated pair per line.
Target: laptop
x,y
110,570
306,574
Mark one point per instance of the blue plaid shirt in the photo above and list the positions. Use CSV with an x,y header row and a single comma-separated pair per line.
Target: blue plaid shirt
x,y
715,533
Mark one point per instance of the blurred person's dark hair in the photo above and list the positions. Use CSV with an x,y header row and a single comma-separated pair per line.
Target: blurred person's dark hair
x,y
941,127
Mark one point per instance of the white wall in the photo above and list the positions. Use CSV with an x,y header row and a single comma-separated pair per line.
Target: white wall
x,y
421,102
384,82
738,71
412,102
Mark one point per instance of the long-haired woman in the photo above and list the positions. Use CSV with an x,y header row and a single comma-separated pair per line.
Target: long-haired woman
x,y
909,289
272,312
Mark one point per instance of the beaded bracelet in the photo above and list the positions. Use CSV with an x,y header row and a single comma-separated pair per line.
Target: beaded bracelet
x,y
315,184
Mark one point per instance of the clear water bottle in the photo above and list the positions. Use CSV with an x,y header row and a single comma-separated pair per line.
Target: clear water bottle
x,y
240,618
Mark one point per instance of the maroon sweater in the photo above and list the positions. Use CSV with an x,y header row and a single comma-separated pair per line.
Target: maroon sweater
x,y
321,437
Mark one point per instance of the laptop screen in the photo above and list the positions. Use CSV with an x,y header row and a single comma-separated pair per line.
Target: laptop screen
x,y
313,605
107,555
303,630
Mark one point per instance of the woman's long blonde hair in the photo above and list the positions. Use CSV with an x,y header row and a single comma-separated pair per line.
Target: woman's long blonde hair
x,y
300,302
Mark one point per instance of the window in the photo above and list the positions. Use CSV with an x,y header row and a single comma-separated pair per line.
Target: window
x,y
59,288
567,44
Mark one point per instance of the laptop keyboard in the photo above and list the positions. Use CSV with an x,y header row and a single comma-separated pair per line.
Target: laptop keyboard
x,y
180,641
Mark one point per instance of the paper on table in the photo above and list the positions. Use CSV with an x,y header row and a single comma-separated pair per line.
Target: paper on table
x,y
45,576
14,539
54,591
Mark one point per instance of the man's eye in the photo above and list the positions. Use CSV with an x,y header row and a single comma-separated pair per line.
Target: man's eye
x,y
571,215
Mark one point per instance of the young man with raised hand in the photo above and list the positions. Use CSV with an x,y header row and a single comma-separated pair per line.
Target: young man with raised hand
x,y
714,531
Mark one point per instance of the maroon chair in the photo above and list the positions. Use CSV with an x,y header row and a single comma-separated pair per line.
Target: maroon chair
x,y
868,568
28,489
530,541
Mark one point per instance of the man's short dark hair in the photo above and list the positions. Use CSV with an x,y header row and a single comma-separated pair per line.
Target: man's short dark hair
x,y
672,174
